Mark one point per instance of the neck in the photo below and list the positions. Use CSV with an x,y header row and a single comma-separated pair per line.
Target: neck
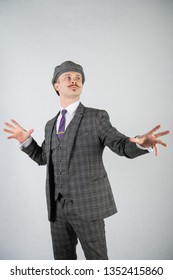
x,y
66,102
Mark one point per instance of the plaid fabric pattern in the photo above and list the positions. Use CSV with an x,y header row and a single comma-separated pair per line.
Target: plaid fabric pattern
x,y
85,176
68,228
60,167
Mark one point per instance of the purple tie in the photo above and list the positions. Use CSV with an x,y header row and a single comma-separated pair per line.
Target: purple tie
x,y
61,129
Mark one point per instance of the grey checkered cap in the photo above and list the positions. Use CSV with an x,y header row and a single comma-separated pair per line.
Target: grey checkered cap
x,y
67,66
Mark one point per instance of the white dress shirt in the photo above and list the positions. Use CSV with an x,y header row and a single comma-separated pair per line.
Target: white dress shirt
x,y
71,110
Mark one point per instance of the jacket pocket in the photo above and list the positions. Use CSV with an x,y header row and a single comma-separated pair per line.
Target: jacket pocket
x,y
98,177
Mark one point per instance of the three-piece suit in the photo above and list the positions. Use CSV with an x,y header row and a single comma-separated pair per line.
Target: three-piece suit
x,y
75,169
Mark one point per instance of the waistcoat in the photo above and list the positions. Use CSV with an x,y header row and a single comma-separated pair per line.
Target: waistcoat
x,y
60,166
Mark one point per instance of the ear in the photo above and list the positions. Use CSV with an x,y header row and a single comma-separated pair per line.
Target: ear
x,y
56,86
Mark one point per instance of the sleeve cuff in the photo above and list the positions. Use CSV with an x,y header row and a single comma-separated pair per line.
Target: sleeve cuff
x,y
25,144
143,148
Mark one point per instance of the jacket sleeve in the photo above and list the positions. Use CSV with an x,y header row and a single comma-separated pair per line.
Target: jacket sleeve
x,y
36,152
116,141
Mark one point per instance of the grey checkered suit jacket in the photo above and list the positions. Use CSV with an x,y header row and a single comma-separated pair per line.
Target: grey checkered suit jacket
x,y
89,132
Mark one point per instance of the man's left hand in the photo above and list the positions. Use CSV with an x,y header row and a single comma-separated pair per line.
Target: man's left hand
x,y
150,139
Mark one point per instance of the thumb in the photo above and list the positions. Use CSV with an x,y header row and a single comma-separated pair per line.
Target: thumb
x,y
134,140
137,140
30,131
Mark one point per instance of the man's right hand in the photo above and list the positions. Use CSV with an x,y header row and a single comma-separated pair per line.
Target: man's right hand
x,y
17,132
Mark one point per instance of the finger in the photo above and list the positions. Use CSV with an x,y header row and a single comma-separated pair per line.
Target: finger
x,y
161,143
13,121
9,125
8,131
31,131
154,129
10,137
162,133
134,140
156,150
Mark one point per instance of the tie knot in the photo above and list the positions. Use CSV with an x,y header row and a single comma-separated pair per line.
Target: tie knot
x,y
63,112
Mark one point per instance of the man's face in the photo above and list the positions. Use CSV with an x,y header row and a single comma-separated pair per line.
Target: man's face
x,y
69,84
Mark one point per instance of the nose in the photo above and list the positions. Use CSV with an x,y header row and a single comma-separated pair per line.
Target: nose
x,y
74,80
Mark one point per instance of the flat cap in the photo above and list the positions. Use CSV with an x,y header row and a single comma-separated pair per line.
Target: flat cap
x,y
67,66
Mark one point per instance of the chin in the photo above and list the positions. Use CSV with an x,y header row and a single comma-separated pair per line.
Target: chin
x,y
75,93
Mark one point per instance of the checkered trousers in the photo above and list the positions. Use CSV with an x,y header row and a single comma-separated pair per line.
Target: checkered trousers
x,y
68,228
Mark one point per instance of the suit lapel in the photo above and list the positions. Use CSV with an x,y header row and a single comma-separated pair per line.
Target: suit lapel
x,y
70,135
50,128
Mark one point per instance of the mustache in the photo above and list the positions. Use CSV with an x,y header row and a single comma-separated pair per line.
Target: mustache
x,y
74,86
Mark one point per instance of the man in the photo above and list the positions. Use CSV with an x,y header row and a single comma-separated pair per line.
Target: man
x,y
78,191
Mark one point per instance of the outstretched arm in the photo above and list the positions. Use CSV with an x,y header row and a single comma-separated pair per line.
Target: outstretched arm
x,y
151,139
33,150
17,132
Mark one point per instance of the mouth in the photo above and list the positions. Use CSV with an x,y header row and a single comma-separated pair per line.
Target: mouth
x,y
74,87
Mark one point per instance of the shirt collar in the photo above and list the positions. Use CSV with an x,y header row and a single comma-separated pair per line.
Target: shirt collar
x,y
71,109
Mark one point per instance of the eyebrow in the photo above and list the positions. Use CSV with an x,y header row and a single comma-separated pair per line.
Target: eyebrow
x,y
66,74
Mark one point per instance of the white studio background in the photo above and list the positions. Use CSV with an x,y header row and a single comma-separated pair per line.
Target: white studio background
x,y
125,48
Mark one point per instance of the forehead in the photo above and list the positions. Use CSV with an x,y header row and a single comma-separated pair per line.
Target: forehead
x,y
71,73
